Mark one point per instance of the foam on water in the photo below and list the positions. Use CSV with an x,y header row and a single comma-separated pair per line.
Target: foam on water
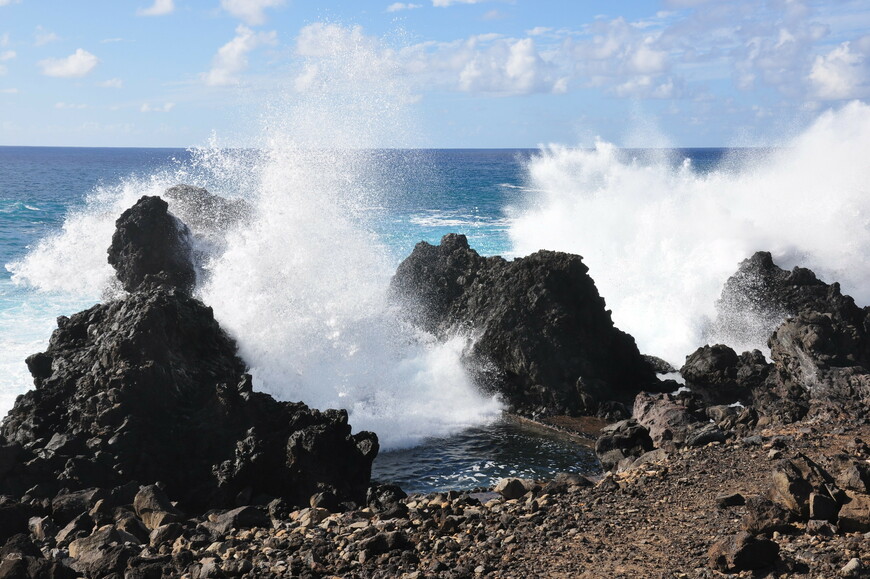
x,y
661,238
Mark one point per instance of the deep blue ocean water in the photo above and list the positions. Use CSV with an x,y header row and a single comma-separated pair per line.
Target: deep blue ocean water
x,y
422,195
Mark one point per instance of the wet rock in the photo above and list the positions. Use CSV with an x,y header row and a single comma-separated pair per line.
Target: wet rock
x,y
203,210
149,243
545,341
743,552
760,295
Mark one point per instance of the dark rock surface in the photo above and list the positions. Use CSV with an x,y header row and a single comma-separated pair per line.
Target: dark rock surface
x,y
151,245
544,339
149,388
820,354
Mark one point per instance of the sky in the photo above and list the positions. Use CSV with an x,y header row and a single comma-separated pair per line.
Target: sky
x,y
426,73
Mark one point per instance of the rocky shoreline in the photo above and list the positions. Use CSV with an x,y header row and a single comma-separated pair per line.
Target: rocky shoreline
x,y
143,451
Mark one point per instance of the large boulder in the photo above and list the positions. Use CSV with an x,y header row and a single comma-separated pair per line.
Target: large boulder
x,y
151,245
543,337
149,388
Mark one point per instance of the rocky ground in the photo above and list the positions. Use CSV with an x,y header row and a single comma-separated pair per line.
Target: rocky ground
x,y
660,518
143,452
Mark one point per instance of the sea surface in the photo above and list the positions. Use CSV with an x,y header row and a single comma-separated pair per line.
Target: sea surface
x,y
302,284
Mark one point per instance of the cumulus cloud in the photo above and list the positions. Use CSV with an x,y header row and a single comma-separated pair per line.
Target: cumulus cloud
x,y
232,58
251,12
78,64
399,6
842,73
159,8
164,108
42,36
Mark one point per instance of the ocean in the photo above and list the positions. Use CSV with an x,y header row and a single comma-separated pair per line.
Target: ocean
x,y
302,284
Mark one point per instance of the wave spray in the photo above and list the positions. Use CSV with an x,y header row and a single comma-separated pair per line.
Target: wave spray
x,y
661,237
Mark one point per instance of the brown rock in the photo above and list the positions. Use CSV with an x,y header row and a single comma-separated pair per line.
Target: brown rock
x,y
855,513
742,552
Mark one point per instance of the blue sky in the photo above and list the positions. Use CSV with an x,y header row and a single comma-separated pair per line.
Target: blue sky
x,y
429,73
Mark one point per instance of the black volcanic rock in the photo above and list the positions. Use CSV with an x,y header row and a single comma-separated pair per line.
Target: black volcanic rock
x,y
205,211
760,295
820,353
150,244
149,388
543,338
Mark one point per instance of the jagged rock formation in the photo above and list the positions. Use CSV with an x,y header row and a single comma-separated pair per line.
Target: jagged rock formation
x,y
820,354
151,246
543,338
150,388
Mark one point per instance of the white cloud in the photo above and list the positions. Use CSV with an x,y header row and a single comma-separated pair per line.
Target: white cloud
x,y
250,11
8,2
69,106
7,55
164,108
159,8
9,91
840,74
399,6
4,40
112,83
78,64
443,3
232,58
42,36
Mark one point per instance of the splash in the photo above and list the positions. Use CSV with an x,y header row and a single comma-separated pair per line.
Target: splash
x,y
301,282
661,237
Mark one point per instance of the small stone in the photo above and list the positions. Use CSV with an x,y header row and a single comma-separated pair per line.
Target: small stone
x,y
774,454
513,488
853,568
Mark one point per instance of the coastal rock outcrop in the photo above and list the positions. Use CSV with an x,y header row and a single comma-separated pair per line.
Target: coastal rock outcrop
x,y
542,336
149,388
819,347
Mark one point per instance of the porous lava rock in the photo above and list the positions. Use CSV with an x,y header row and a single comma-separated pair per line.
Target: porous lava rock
x,y
150,244
542,336
820,353
149,388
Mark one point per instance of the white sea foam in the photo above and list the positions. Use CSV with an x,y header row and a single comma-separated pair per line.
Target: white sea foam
x,y
660,238
302,284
